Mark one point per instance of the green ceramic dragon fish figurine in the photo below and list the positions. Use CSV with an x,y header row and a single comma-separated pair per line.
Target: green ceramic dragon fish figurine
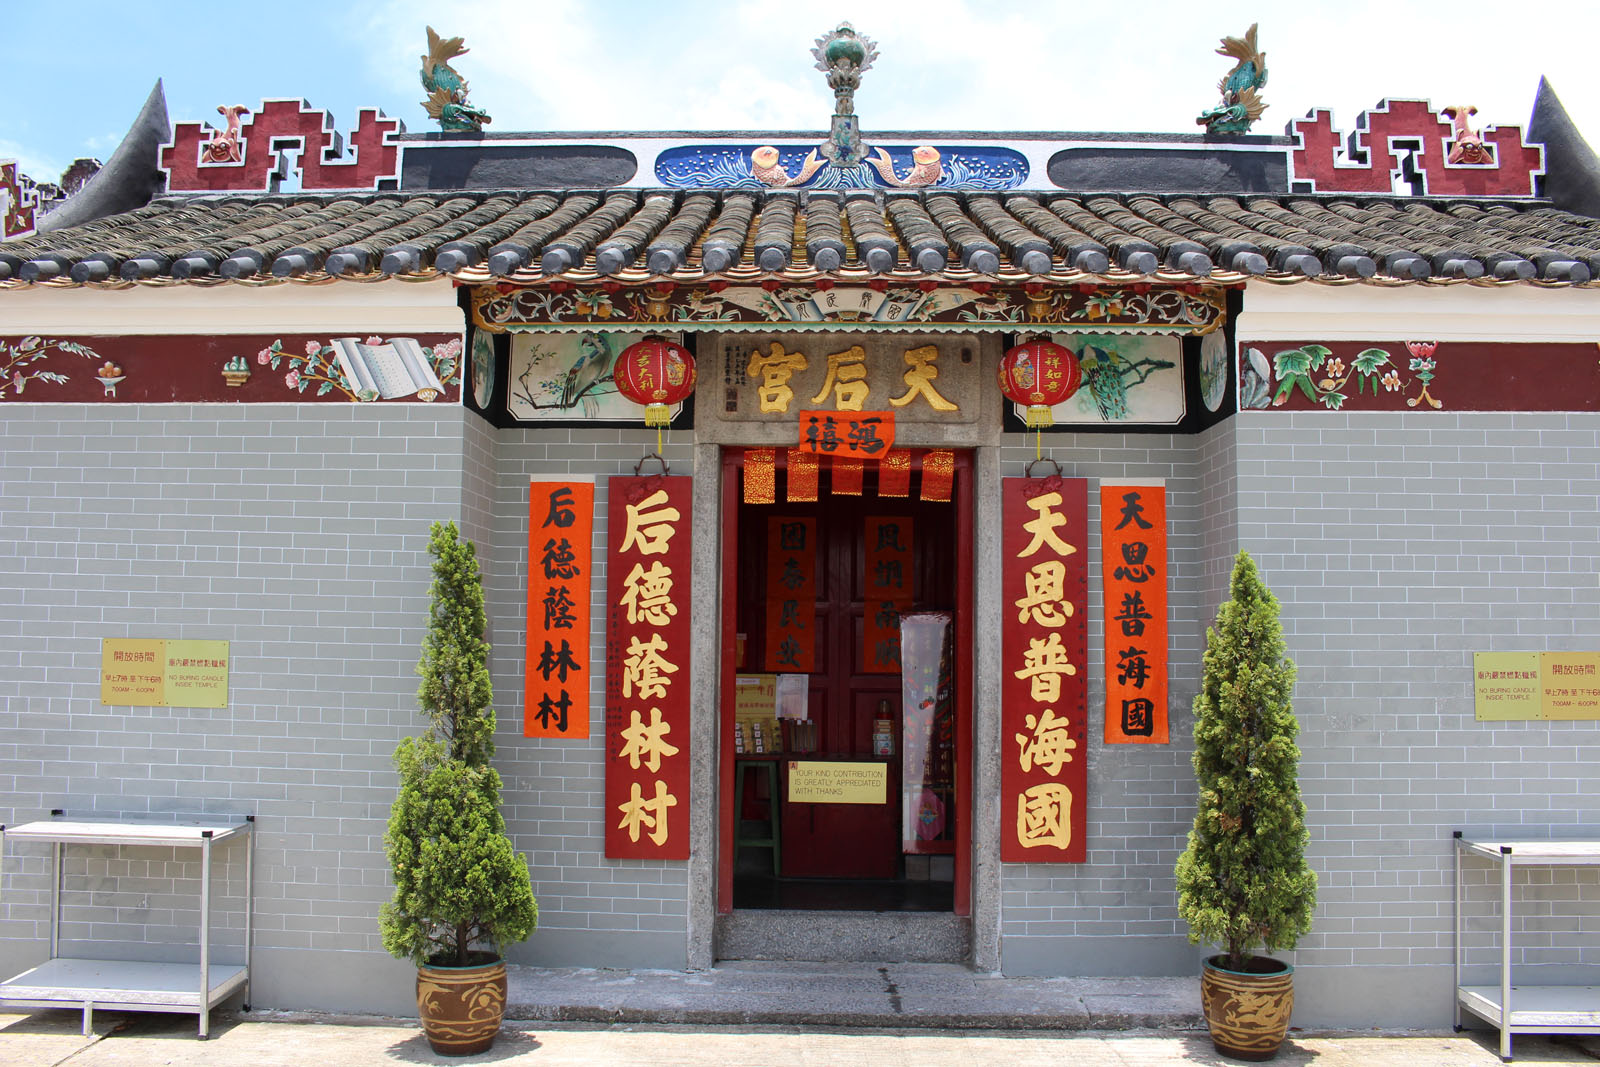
x,y
1240,106
447,89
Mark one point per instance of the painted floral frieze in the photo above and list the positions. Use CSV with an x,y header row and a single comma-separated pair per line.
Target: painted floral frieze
x,y
376,368
239,368
47,361
1152,310
1418,376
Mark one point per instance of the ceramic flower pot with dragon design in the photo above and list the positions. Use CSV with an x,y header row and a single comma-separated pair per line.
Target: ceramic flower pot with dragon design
x,y
461,1007
1247,1011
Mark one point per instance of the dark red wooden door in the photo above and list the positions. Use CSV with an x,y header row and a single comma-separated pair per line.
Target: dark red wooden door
x,y
845,697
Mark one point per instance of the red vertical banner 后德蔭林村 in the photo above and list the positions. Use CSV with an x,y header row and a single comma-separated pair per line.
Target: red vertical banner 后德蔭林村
x,y
1133,559
555,698
791,594
889,592
648,620
1044,646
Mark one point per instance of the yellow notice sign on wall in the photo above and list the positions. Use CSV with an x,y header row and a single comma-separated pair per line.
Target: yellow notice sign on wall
x,y
1570,683
151,673
823,782
1506,685
197,674
133,671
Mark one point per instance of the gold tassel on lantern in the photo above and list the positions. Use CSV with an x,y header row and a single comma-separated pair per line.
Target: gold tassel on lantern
x,y
1039,416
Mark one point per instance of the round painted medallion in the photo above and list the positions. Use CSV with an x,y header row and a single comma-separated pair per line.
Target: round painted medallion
x,y
482,369
1213,369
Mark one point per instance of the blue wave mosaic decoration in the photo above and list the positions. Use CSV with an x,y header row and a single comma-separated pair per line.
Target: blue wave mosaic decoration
x,y
800,167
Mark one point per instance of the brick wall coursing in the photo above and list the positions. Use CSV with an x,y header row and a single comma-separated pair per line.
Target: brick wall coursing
x,y
554,789
1398,546
298,533
1141,797
1219,520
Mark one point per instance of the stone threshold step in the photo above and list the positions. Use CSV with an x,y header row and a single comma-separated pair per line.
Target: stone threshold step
x,y
867,995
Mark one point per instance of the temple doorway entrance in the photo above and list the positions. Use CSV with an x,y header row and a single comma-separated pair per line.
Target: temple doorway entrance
x,y
846,783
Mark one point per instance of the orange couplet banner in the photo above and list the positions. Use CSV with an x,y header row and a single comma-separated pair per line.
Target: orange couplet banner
x,y
560,548
862,434
1133,555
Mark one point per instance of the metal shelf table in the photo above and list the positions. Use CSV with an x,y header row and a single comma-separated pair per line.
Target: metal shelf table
x,y
130,985
1524,1009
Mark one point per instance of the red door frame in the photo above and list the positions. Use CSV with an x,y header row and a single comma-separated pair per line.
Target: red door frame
x,y
732,464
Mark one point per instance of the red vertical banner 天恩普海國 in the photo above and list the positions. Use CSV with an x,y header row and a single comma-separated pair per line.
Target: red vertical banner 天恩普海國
x,y
1044,586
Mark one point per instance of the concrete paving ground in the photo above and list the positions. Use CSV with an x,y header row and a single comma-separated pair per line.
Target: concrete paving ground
x,y
881,995
52,1039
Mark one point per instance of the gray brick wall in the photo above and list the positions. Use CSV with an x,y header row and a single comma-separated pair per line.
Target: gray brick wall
x,y
1219,520
299,534
593,911
1117,913
479,454
1398,546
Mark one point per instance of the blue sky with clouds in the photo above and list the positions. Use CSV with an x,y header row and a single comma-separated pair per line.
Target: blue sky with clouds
x,y
79,73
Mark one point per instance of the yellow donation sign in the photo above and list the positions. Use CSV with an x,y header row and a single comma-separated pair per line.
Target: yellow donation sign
x,y
826,782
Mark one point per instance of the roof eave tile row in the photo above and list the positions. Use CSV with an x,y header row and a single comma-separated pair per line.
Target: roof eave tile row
x,y
635,236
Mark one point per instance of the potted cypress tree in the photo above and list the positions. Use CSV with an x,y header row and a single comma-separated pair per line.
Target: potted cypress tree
x,y
1243,882
461,893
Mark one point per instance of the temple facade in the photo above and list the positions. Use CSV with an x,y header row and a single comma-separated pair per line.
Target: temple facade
x,y
847,653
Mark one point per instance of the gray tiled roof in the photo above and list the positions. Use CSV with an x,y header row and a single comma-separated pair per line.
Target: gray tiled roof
x,y
634,236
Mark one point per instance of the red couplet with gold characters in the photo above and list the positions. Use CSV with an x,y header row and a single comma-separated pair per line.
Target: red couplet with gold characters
x,y
648,619
1043,689
1133,558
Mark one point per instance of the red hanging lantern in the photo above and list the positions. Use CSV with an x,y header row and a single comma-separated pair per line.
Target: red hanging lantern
x,y
1040,374
657,374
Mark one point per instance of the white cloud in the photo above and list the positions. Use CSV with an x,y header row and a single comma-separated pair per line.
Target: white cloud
x,y
39,168
961,64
